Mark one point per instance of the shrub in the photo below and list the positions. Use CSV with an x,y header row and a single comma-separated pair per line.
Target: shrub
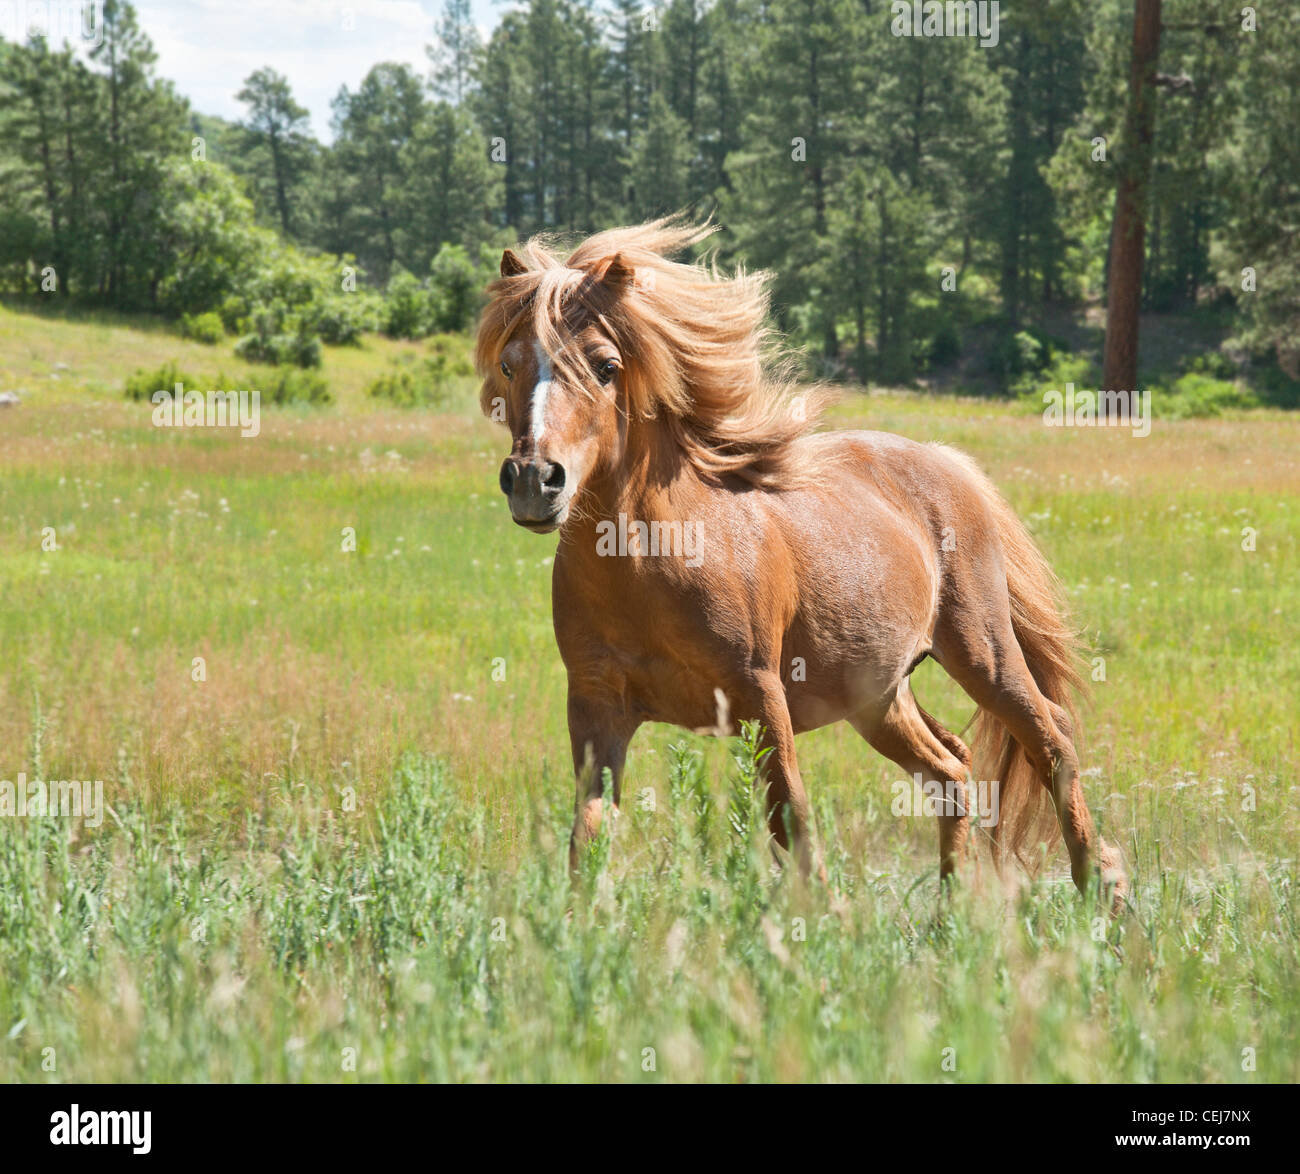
x,y
1022,354
206,327
450,357
234,314
402,388
279,339
300,288
408,312
284,385
341,319
430,380
1026,352
1200,395
142,384
1063,368
293,385
298,350
456,284
1214,363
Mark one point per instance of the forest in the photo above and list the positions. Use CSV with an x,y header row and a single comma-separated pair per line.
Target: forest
x,y
925,204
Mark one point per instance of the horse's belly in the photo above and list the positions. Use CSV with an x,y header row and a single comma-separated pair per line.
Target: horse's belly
x,y
699,697
836,690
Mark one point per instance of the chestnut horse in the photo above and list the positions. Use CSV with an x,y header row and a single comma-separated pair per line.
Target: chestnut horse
x,y
712,546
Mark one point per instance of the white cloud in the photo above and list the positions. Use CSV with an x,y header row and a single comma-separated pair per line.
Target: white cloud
x,y
208,47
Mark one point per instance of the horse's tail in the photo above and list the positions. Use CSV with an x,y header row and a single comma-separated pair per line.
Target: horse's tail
x,y
1051,650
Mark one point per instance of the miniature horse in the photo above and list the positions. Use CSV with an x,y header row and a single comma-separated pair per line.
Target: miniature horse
x,y
824,566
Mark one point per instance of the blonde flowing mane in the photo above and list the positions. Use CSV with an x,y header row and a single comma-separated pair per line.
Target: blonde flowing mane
x,y
698,355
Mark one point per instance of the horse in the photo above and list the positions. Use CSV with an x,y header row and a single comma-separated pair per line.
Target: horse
x,y
719,554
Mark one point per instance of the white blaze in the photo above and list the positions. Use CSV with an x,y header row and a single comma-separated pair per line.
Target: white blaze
x,y
541,389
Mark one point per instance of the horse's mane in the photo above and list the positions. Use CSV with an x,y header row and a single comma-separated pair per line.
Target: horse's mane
x,y
698,355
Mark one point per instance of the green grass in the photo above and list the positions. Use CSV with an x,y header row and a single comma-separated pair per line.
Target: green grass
x,y
239,916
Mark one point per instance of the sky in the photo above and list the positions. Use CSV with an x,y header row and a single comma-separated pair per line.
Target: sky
x,y
208,47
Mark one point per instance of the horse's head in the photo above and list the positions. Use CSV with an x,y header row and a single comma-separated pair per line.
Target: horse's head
x,y
617,363
552,371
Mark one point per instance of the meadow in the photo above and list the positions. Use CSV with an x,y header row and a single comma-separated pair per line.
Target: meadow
x,y
338,785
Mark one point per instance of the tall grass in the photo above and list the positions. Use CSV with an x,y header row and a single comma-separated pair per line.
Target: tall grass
x,y
313,943
341,791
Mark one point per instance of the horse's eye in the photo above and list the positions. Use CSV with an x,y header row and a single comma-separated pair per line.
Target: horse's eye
x,y
607,370
505,369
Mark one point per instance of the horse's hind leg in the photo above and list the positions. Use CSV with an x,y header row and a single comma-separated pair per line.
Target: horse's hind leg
x,y
909,736
981,653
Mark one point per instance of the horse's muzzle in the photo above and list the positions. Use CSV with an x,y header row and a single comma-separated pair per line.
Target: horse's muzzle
x,y
535,490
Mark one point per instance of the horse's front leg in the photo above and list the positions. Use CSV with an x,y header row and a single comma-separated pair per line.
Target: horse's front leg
x,y
599,733
786,798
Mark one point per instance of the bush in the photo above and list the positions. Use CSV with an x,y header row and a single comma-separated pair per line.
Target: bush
x,y
206,327
284,385
1200,395
1063,368
1020,354
297,288
456,284
450,357
408,310
280,339
234,314
1213,363
293,385
142,384
403,388
298,350
429,381
341,319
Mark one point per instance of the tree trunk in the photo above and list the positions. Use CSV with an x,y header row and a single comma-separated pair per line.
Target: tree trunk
x,y
830,336
281,185
1128,230
1019,170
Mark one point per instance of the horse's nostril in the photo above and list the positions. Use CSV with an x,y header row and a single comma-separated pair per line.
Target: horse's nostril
x,y
554,479
507,478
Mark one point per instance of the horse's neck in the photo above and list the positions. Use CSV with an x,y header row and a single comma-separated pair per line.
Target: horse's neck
x,y
650,485
625,496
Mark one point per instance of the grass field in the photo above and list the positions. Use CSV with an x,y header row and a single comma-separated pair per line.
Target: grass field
x,y
341,854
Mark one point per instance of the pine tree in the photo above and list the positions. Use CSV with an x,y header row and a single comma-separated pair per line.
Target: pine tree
x,y
455,55
277,127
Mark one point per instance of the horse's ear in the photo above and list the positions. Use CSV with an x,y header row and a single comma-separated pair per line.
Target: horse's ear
x,y
511,265
618,276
